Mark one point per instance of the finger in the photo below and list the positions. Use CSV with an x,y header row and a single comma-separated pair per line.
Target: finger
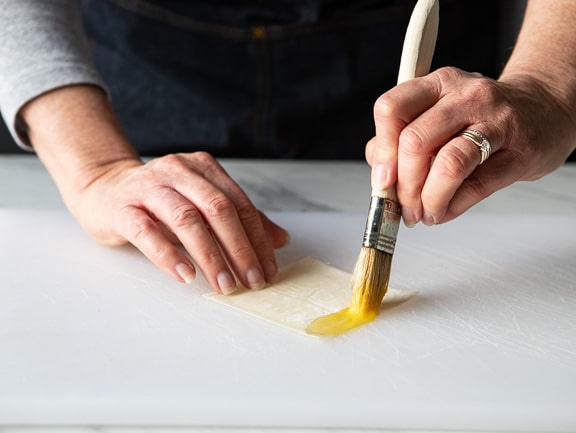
x,y
188,224
238,230
229,225
168,233
370,150
146,234
421,143
191,176
250,218
278,236
453,163
393,111
500,170
396,115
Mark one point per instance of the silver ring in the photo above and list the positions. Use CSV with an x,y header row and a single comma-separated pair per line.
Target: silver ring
x,y
479,140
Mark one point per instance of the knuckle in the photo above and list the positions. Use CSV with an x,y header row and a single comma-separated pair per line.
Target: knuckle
x,y
472,86
453,163
169,160
140,228
219,206
183,216
477,186
173,164
204,157
261,244
163,254
247,211
208,257
411,142
207,164
385,107
448,73
242,251
482,89
409,195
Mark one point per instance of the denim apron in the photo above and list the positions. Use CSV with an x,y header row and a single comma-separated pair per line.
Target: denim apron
x,y
249,78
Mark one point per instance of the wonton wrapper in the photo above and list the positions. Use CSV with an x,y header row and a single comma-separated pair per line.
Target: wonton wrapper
x,y
303,291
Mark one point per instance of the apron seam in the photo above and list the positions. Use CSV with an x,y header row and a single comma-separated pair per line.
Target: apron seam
x,y
272,31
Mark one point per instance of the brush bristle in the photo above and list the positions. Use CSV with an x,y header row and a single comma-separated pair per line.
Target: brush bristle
x,y
369,285
370,280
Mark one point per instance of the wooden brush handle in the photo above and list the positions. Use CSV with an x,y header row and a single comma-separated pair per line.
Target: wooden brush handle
x,y
417,53
389,193
419,41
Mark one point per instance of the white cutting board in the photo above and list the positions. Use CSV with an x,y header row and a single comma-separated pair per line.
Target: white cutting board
x,y
96,336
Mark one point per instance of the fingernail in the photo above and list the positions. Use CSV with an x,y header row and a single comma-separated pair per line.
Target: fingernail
x,y
428,219
380,177
288,238
186,272
270,269
409,218
226,283
255,279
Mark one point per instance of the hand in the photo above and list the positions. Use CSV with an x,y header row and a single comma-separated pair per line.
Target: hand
x,y
437,173
185,198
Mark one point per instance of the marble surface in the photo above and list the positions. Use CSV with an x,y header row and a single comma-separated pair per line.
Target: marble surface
x,y
301,186
95,429
284,186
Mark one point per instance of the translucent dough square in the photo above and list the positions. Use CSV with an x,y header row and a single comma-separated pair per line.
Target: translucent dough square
x,y
303,291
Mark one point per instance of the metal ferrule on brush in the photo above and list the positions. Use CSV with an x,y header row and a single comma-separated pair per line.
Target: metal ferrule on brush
x,y
382,224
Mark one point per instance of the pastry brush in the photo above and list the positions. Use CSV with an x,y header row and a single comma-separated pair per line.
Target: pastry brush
x,y
372,270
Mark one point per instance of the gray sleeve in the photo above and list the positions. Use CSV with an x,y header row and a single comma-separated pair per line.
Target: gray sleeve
x,y
43,47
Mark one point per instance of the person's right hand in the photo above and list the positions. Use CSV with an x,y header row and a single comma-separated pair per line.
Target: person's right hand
x,y
186,199
419,144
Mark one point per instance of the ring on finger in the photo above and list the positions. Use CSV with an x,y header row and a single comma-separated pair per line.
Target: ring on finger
x,y
480,141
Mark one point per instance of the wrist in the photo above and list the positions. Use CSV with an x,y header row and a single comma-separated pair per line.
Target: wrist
x,y
77,136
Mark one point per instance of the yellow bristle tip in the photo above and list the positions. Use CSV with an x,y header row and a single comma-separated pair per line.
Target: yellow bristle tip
x,y
339,322
369,285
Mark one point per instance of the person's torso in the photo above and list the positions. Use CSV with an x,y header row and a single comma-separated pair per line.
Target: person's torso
x,y
289,78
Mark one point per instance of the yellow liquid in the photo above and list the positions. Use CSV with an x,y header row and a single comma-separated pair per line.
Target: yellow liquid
x,y
340,322
370,284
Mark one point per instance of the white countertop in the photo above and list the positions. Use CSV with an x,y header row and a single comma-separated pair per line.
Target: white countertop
x,y
286,186
301,186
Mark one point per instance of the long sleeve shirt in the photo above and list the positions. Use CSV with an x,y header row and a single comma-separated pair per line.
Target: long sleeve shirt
x,y
43,47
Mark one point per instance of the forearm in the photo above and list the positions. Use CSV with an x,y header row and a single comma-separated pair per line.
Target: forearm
x,y
186,198
43,48
77,137
546,49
